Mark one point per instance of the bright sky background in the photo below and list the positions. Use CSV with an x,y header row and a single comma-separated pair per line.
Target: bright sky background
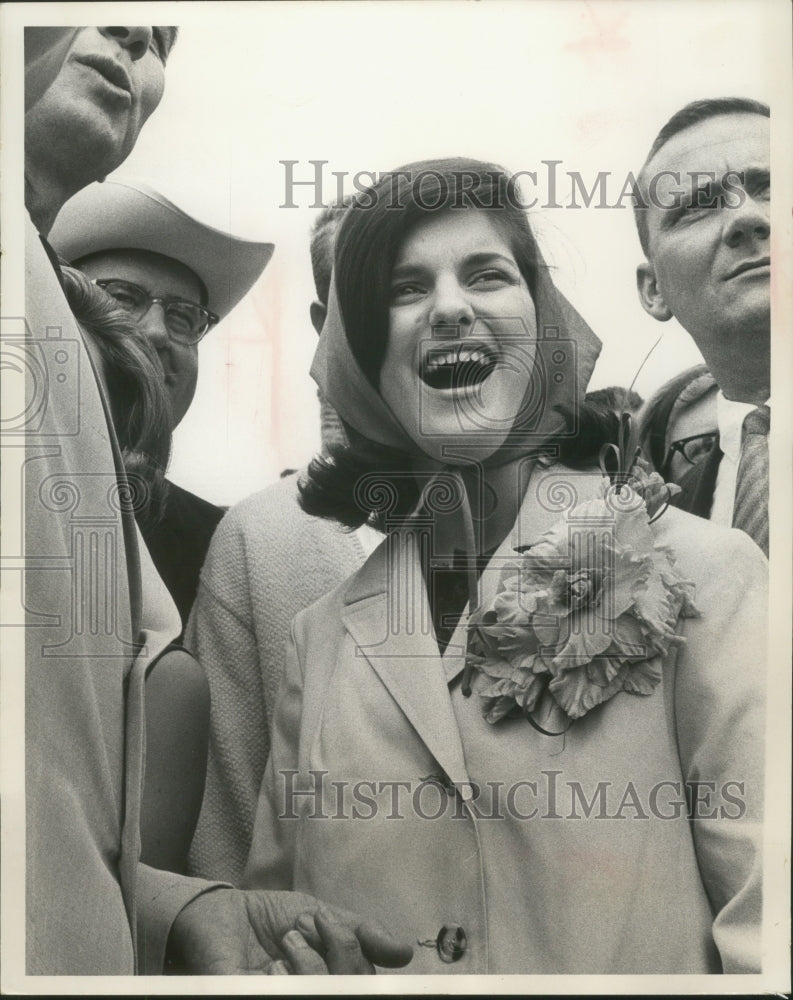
x,y
371,86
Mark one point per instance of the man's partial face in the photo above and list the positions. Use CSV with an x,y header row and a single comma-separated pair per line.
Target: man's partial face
x,y
709,232
161,277
109,82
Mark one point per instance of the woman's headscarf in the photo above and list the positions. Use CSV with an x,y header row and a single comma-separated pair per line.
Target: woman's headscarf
x,y
566,351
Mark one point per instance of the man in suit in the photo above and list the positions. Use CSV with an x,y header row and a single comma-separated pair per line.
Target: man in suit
x,y
98,616
704,228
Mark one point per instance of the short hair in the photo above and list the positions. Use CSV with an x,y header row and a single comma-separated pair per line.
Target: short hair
x,y
616,398
323,238
674,396
691,114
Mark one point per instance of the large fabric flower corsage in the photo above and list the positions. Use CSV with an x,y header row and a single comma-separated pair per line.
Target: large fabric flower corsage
x,y
587,611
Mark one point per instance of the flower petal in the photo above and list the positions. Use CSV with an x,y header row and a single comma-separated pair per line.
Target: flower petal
x,y
644,677
577,695
585,639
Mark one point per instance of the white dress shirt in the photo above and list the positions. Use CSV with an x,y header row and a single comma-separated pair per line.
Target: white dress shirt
x,y
730,416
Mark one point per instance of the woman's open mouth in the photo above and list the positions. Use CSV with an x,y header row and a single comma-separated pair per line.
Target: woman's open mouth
x,y
457,366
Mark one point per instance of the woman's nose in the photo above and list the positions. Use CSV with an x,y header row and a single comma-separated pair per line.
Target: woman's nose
x,y
748,222
451,305
135,40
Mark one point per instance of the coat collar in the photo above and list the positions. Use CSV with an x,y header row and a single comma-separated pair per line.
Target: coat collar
x,y
387,613
388,616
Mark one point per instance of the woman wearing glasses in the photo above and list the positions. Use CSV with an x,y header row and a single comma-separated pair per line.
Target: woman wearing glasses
x,y
177,278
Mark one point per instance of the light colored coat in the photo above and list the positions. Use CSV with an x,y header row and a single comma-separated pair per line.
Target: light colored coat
x,y
267,561
97,616
366,702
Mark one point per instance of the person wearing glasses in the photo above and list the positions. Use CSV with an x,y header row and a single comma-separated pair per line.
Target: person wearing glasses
x,y
679,429
96,627
177,278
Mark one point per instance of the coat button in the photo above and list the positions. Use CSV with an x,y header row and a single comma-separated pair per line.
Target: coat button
x,y
451,943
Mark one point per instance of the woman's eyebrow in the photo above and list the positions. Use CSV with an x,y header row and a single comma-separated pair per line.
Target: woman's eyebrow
x,y
476,258
401,270
488,256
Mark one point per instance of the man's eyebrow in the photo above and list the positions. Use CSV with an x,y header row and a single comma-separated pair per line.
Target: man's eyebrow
x,y
755,175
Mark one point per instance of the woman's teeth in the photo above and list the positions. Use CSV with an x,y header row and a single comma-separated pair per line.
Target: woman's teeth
x,y
457,368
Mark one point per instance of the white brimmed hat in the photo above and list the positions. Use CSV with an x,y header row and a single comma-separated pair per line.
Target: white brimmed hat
x,y
129,215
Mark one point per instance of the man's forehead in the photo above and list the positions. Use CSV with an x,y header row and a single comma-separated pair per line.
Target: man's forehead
x,y
725,142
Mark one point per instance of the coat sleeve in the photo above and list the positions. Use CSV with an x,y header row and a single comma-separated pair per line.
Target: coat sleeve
x,y
221,634
160,897
720,695
272,855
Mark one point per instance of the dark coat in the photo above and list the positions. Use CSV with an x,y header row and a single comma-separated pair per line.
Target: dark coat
x,y
699,484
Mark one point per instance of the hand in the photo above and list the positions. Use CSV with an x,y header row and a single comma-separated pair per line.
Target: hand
x,y
255,932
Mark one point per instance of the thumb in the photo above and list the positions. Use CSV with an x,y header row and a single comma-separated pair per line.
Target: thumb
x,y
381,947
378,945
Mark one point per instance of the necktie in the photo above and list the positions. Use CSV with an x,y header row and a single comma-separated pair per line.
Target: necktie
x,y
750,512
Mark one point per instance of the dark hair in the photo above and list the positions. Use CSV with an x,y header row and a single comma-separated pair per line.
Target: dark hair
x,y
323,235
349,483
654,424
375,225
616,398
139,405
691,114
372,231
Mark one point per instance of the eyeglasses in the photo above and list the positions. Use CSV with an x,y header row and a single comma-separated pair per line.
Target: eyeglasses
x,y
187,322
693,449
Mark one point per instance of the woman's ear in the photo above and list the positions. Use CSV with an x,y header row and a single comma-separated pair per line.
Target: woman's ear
x,y
650,295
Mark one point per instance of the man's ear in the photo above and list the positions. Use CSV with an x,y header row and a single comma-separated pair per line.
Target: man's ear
x,y
650,295
318,313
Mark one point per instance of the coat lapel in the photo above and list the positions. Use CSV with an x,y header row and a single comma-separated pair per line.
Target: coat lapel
x,y
388,616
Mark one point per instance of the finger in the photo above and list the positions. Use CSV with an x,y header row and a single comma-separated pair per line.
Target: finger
x,y
342,948
308,928
302,957
277,968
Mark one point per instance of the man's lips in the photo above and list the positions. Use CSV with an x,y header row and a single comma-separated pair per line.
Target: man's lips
x,y
749,265
111,70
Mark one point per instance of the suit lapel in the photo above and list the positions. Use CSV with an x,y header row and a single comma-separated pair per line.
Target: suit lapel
x,y
388,616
